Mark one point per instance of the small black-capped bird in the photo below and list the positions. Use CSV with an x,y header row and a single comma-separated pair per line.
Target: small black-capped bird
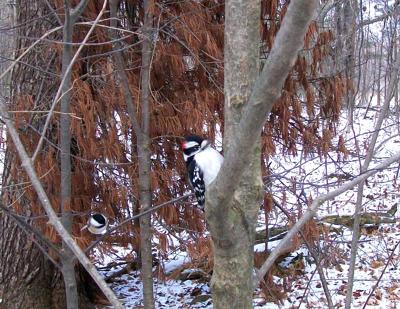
x,y
203,164
97,224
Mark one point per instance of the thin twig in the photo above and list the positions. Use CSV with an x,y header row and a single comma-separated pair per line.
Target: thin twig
x,y
307,288
315,257
121,73
59,94
54,12
180,198
368,158
30,231
14,62
72,115
314,207
27,164
382,273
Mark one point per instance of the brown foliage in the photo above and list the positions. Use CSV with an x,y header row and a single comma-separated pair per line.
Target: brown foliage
x,y
187,97
306,93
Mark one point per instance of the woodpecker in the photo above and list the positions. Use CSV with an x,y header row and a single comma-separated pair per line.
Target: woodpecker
x,y
203,163
97,224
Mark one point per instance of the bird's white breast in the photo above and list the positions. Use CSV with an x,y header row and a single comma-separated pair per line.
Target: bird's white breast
x,y
209,161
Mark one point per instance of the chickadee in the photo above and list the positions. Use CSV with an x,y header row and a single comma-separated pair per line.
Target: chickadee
x,y
97,224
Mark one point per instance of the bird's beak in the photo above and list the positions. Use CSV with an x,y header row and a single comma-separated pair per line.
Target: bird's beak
x,y
84,228
183,145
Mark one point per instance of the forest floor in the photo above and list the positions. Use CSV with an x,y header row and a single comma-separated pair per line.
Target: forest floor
x,y
377,275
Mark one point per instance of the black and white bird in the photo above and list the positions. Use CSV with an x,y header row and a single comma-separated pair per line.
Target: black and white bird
x,y
97,224
203,164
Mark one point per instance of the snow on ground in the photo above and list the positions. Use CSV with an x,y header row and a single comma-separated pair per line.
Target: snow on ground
x,y
378,257
168,294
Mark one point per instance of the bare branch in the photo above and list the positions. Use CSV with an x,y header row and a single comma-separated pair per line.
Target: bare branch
x,y
143,213
78,10
369,155
314,255
33,234
119,63
390,12
14,62
54,12
72,115
53,219
266,91
325,9
58,94
314,207
389,259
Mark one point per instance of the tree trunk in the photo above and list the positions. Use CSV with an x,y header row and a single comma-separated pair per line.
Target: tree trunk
x,y
141,131
26,277
233,233
346,27
235,196
67,258
145,223
144,154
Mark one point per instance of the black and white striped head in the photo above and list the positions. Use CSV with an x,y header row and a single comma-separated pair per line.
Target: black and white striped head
x,y
192,145
97,224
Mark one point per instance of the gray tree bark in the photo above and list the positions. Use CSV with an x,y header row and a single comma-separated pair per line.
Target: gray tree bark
x,y
26,164
27,279
25,274
141,131
67,257
235,196
233,232
144,154
346,24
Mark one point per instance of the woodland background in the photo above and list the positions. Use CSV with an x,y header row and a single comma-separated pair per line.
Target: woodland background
x,y
101,95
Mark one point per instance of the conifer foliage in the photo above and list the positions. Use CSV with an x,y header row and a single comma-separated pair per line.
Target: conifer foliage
x,y
186,97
